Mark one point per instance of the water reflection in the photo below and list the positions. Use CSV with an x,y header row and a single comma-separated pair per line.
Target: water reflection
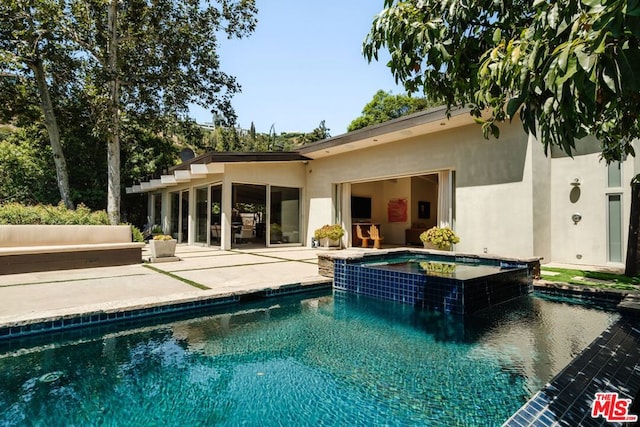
x,y
340,357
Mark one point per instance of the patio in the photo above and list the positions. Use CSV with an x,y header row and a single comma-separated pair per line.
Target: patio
x,y
202,273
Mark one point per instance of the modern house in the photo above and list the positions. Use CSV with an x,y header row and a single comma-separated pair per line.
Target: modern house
x,y
502,196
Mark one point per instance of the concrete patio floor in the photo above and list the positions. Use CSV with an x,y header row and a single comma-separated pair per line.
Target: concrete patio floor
x,y
201,273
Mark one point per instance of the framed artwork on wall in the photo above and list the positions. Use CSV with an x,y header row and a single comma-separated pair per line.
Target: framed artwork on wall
x,y
424,210
397,210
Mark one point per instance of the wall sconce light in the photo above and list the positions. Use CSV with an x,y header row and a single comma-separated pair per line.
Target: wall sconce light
x,y
576,217
576,182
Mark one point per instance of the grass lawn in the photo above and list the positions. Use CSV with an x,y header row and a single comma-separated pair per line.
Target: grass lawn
x,y
591,278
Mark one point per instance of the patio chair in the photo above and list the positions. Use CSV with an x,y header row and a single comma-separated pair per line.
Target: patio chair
x,y
365,239
244,234
374,234
215,233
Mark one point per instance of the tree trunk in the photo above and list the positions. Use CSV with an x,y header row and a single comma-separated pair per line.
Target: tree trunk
x,y
54,134
632,262
113,142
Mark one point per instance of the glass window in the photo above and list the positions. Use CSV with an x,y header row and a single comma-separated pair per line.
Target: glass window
x,y
157,209
216,214
285,215
184,217
202,218
175,214
615,228
614,175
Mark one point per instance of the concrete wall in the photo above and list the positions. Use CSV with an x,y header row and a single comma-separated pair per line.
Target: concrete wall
x,y
541,199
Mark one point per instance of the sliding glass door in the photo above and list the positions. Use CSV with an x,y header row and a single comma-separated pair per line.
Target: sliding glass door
x,y
284,215
183,234
179,216
202,216
216,214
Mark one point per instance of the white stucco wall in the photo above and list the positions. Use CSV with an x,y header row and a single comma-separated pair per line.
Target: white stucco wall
x,y
493,191
585,243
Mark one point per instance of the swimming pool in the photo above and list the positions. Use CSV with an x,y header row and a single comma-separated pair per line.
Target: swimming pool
x,y
321,359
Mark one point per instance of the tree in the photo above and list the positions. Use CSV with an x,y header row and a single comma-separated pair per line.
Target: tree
x,y
153,58
27,47
129,57
317,134
567,68
23,168
385,106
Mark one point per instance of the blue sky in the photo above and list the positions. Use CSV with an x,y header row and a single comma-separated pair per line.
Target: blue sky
x,y
303,64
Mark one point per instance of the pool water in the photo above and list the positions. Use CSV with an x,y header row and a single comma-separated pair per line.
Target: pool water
x,y
328,359
460,271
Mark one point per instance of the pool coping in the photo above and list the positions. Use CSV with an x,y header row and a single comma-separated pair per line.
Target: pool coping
x,y
101,315
610,364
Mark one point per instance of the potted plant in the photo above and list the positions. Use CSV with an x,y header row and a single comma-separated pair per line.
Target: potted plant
x,y
275,230
329,235
162,246
439,238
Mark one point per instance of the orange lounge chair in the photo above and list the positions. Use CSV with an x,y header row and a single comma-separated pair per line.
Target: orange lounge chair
x,y
374,234
365,240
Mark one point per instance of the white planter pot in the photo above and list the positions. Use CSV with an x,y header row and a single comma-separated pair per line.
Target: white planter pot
x,y
162,248
325,242
429,245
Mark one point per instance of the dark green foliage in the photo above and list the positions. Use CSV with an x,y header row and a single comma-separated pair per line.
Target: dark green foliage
x,y
27,173
317,134
568,68
385,106
130,100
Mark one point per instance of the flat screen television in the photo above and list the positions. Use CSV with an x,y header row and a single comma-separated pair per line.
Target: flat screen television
x,y
360,208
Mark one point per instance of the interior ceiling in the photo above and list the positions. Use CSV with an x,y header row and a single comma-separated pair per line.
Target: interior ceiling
x,y
432,178
249,193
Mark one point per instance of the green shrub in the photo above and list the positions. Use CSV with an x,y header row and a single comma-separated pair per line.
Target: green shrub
x,y
17,214
136,234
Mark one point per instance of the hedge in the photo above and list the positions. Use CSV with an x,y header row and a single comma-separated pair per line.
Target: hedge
x,y
17,214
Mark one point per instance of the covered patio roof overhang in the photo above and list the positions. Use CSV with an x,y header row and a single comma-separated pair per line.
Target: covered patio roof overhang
x,y
421,123
211,163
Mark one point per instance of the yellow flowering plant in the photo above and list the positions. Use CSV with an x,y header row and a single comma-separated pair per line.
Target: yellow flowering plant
x,y
442,238
162,237
333,232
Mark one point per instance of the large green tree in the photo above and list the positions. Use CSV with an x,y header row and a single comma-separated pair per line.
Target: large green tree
x,y
154,57
567,68
385,106
131,58
28,49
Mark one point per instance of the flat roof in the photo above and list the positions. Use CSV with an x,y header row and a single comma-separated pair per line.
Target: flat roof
x,y
420,123
241,157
